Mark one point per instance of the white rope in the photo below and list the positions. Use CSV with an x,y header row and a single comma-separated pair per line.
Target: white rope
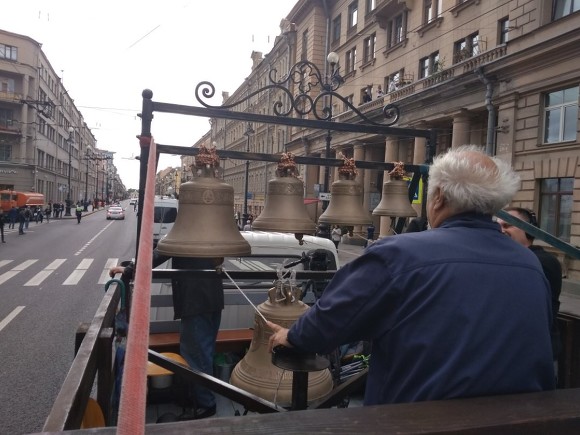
x,y
247,298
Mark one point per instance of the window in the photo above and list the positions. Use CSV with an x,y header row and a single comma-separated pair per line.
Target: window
x,y
467,47
336,29
305,45
371,5
369,48
350,60
397,29
556,206
394,80
504,28
429,65
431,10
352,15
565,7
8,52
5,153
561,115
6,117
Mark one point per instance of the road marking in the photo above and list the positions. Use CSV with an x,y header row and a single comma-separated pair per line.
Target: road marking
x,y
79,272
16,270
111,262
5,262
86,245
10,317
42,275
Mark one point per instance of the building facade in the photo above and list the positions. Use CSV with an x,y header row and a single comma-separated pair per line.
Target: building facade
x,y
502,74
45,144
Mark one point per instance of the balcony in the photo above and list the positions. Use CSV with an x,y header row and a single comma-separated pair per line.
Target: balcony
x,y
10,97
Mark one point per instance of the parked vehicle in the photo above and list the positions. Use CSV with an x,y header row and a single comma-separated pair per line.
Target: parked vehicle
x,y
115,212
164,215
13,198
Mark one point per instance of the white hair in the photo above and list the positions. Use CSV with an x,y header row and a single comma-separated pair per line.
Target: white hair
x,y
469,182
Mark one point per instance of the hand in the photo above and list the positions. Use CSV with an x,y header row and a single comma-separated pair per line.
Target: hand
x,y
115,270
279,336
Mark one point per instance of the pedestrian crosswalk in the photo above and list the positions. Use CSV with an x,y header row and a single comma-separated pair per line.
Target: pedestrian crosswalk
x,y
10,269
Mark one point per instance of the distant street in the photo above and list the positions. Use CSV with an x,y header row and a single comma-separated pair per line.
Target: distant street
x,y
51,279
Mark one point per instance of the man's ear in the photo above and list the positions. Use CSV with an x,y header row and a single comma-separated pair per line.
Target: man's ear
x,y
438,200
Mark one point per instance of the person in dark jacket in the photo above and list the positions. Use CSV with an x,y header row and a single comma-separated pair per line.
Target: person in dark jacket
x,y
550,265
198,303
456,311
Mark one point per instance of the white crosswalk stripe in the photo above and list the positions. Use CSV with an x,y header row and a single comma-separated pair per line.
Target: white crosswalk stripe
x,y
42,275
45,270
16,270
78,273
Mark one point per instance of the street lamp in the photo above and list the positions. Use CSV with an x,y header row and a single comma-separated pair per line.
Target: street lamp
x,y
249,131
69,141
88,155
332,83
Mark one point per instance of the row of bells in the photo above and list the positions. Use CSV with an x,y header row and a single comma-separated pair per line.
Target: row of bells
x,y
204,228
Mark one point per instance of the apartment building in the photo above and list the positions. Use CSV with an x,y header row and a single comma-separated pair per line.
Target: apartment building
x,y
502,74
44,141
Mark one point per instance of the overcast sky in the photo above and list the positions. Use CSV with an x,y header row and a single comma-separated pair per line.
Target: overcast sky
x,y
107,52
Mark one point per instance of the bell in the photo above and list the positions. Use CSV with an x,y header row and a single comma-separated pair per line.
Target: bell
x,y
345,206
395,200
284,210
204,226
256,374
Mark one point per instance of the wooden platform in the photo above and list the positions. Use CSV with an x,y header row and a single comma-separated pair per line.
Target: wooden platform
x,y
228,340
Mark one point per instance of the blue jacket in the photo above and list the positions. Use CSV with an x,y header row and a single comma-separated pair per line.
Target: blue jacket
x,y
457,311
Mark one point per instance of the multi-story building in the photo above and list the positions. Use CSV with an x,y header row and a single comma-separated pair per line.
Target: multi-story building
x,y
499,73
45,144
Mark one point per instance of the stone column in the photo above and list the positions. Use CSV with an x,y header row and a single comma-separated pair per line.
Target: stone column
x,y
391,155
359,154
461,134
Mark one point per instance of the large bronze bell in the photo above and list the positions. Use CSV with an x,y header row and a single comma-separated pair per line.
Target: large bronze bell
x,y
345,206
256,374
204,226
395,200
284,210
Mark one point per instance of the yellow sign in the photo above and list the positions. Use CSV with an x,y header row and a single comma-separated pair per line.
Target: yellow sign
x,y
418,196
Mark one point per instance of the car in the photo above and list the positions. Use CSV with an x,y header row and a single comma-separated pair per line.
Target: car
x,y
164,215
133,201
115,212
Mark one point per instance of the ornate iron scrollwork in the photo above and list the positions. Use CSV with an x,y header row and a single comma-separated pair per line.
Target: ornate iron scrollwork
x,y
306,77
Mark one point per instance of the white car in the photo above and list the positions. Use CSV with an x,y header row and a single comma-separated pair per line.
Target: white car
x,y
133,201
115,212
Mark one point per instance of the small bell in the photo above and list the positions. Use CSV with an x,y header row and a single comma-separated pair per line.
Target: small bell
x,y
284,210
204,226
395,199
345,206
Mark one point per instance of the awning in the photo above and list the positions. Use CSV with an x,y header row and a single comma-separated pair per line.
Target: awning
x,y
311,200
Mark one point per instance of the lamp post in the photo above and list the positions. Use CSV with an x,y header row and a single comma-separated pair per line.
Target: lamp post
x,y
69,141
331,84
88,155
249,131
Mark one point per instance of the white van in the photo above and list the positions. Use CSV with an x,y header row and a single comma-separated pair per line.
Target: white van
x,y
269,251
164,215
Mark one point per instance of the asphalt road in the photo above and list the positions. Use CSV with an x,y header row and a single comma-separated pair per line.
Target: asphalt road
x,y
51,280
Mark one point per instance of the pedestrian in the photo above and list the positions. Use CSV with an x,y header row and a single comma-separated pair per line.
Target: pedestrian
x,y
417,224
367,96
380,92
198,303
550,265
27,216
79,212
13,217
21,220
370,235
55,210
456,311
47,212
335,235
2,222
248,225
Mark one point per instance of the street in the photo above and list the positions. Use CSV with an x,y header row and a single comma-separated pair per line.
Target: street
x,y
51,279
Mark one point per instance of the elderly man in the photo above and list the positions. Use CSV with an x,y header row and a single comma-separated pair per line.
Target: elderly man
x,y
459,310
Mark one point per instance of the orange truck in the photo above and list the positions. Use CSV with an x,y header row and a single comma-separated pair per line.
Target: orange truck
x,y
13,198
